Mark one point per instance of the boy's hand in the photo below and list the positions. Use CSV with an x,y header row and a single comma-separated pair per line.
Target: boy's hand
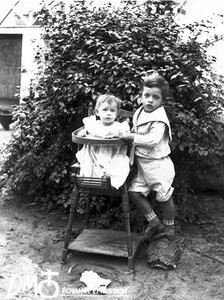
x,y
126,136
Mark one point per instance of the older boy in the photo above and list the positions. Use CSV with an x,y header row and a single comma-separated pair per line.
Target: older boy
x,y
151,135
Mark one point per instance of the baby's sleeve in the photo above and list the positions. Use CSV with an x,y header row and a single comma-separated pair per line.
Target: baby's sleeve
x,y
124,127
90,124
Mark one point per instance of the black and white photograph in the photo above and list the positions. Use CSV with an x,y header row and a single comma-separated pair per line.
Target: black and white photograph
x,y
112,149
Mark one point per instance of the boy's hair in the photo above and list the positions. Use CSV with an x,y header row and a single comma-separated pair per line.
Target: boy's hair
x,y
156,80
110,99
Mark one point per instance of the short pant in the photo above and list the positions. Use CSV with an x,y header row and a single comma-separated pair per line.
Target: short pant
x,y
154,175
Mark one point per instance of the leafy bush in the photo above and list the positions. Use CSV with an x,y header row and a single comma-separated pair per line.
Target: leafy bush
x,y
91,51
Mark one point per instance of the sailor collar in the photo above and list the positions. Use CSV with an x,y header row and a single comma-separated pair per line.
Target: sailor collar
x,y
158,114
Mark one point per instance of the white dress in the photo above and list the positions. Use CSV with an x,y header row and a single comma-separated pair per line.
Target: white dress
x,y
108,160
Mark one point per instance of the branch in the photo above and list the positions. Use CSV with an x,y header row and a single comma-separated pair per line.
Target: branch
x,y
216,40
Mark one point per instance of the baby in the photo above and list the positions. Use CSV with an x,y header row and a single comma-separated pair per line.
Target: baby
x,y
109,160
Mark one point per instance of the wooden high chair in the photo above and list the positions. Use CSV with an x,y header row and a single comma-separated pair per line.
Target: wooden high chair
x,y
100,241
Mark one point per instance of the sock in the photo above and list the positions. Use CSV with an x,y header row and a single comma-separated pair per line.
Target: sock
x,y
168,222
151,216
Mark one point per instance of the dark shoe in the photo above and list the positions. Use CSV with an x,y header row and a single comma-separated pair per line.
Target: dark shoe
x,y
152,229
168,231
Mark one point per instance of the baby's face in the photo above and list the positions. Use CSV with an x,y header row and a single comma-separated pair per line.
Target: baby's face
x,y
107,113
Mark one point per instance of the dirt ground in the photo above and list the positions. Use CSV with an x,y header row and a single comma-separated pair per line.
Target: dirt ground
x,y
31,243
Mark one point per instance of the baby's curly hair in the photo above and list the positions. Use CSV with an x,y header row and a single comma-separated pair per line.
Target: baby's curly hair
x,y
108,98
156,80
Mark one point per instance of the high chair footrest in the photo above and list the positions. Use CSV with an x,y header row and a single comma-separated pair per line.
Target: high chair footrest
x,y
93,182
105,241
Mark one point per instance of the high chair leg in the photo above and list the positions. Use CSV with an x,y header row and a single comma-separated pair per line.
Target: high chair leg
x,y
87,211
74,202
126,211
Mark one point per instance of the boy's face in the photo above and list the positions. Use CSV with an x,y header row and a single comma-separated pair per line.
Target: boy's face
x,y
151,98
107,113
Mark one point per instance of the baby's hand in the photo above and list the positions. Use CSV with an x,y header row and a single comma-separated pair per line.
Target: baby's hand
x,y
82,133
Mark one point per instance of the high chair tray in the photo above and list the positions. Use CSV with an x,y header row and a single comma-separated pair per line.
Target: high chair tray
x,y
105,241
95,141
